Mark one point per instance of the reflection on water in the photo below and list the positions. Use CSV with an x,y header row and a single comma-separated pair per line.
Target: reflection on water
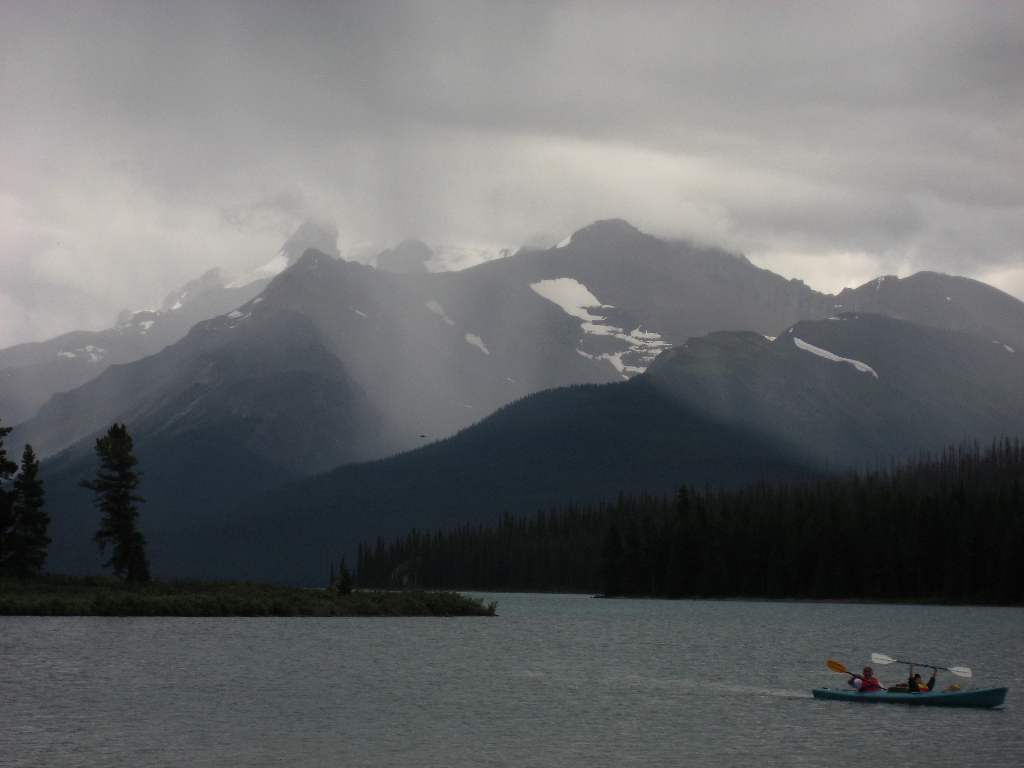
x,y
560,680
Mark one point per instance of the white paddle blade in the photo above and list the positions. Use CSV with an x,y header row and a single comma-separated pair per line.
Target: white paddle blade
x,y
881,658
961,671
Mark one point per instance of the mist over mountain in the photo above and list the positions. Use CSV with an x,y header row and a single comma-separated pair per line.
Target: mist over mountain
x,y
330,363
31,373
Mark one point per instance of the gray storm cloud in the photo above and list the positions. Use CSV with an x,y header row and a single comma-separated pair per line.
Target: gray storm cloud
x,y
145,142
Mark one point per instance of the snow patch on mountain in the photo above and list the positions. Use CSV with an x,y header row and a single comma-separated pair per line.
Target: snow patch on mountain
x,y
89,352
437,309
477,342
862,367
236,318
571,295
636,349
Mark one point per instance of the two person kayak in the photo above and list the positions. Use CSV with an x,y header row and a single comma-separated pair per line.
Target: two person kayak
x,y
867,689
981,698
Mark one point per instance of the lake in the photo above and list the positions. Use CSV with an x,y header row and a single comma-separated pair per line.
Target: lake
x,y
553,680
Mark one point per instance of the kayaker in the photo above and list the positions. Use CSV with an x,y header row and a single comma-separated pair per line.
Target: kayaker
x,y
865,683
916,685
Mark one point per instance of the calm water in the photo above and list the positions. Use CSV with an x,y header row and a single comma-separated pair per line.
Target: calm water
x,y
555,680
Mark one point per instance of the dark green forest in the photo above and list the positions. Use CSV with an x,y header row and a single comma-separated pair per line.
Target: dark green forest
x,y
945,527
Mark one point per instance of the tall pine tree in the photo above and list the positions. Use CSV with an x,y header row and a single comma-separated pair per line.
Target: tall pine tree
x,y
114,488
27,537
7,470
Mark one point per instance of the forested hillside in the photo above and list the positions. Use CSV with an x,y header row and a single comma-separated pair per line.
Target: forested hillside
x,y
946,528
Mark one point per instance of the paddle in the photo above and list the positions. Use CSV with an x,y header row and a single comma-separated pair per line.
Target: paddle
x,y
835,666
881,658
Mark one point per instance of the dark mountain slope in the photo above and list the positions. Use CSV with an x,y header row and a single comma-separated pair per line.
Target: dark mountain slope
x,y
262,379
582,443
912,387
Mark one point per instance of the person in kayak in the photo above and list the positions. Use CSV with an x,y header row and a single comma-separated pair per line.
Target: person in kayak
x,y
916,685
865,683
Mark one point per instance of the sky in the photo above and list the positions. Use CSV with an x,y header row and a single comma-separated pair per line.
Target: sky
x,y
142,143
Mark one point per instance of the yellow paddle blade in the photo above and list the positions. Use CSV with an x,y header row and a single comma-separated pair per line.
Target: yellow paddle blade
x,y
835,666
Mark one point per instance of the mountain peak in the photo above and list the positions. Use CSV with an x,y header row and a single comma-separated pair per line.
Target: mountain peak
x,y
312,259
210,280
321,235
407,256
603,230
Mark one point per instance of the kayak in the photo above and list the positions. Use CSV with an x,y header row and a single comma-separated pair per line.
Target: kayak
x,y
977,697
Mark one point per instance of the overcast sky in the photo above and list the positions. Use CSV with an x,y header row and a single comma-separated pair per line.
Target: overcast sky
x,y
142,143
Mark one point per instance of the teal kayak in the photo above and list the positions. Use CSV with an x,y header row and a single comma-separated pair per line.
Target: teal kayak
x,y
978,697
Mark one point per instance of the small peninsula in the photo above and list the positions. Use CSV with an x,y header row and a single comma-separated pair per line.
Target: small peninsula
x,y
99,596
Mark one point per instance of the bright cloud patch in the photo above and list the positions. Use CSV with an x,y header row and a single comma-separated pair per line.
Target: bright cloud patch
x,y
863,367
272,268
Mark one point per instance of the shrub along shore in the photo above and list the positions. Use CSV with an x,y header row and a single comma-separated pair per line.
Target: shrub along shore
x,y
97,596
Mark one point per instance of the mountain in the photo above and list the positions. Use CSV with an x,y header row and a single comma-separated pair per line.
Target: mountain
x,y
407,256
941,301
31,373
336,363
725,409
436,352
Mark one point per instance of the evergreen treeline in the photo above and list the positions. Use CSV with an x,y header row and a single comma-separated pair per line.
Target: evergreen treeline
x,y
553,551
24,523
947,527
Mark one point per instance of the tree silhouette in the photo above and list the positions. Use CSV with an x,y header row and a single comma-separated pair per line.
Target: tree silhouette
x,y
27,537
765,540
114,488
7,470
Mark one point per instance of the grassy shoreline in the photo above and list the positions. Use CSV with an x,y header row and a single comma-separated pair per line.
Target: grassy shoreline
x,y
96,596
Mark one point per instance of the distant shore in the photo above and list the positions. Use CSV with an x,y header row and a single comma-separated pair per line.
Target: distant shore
x,y
96,596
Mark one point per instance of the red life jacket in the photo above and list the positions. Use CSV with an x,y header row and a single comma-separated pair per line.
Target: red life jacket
x,y
869,684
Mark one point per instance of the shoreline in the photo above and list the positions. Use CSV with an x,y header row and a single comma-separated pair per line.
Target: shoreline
x,y
55,595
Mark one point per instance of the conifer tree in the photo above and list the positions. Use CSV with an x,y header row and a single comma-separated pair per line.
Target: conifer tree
x,y
114,488
27,536
345,580
7,470
612,565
